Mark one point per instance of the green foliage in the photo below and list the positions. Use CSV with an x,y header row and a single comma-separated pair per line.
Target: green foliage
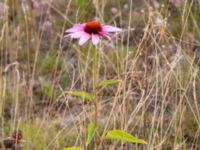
x,y
91,129
73,148
80,3
39,135
48,90
108,82
124,136
81,94
65,81
50,63
13,14
174,20
190,124
83,4
194,19
85,7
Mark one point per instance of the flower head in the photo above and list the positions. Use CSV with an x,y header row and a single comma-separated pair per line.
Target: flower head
x,y
91,30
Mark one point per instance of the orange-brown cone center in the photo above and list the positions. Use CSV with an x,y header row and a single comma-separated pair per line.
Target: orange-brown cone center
x,y
93,27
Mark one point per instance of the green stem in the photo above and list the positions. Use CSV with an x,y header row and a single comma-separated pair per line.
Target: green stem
x,y
94,55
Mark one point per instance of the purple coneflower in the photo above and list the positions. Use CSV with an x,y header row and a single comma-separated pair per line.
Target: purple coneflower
x,y
90,30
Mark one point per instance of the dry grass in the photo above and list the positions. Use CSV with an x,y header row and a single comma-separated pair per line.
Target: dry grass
x,y
156,57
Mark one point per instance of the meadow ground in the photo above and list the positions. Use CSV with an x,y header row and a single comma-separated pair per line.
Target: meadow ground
x,y
155,57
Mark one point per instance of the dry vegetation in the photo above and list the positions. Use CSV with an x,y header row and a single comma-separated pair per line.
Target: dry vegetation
x,y
156,57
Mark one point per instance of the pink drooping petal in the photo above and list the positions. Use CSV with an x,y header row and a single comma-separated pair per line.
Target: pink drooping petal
x,y
68,35
95,39
75,28
84,38
76,35
106,34
108,28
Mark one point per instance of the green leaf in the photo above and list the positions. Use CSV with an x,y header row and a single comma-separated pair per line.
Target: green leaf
x,y
65,81
48,89
91,129
73,148
108,82
124,136
81,94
